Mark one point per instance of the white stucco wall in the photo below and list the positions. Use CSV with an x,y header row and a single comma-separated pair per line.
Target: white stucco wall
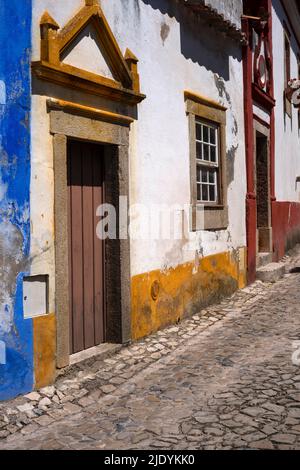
x,y
174,55
287,166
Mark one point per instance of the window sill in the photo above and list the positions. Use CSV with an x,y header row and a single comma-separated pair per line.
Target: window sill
x,y
215,218
211,206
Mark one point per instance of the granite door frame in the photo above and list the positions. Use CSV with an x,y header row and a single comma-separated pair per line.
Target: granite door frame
x,y
115,137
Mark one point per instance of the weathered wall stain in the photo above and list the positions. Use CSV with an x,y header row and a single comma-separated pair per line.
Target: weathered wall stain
x,y
131,7
220,84
286,230
233,145
11,255
164,32
183,291
231,153
235,128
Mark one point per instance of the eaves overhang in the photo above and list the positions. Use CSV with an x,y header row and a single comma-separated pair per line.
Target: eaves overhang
x,y
216,19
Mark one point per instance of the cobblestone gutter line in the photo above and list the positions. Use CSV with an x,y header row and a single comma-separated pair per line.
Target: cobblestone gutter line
x,y
99,379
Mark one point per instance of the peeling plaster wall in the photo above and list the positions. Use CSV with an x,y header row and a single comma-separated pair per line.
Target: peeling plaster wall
x,y
16,367
174,54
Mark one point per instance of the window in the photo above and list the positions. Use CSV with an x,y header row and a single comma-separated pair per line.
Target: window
x,y
207,162
207,124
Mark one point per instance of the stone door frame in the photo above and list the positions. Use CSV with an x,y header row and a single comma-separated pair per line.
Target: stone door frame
x,y
70,124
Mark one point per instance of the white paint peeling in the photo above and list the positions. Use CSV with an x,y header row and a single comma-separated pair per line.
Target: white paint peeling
x,y
3,189
2,352
6,312
11,256
2,93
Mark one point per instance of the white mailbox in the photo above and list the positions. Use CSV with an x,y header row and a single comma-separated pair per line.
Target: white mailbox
x,y
35,296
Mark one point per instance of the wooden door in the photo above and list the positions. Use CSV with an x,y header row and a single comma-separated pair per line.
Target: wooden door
x,y
263,194
86,251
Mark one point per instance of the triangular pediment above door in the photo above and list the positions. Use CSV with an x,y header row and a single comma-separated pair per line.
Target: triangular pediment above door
x,y
85,55
86,52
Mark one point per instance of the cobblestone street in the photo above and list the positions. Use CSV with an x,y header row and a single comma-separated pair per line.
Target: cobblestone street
x,y
224,379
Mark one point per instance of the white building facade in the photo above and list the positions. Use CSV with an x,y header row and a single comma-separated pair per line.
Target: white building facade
x,y
182,141
161,169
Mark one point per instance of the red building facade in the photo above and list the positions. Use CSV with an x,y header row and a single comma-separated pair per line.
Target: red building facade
x,y
273,225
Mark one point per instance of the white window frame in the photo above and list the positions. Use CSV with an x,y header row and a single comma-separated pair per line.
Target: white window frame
x,y
208,165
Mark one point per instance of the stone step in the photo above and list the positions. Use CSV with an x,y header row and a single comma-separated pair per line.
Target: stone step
x,y
263,259
271,272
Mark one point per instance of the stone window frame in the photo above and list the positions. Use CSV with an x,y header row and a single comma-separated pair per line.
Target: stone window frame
x,y
215,215
210,164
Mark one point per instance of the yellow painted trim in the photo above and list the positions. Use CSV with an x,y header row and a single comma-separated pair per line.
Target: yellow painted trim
x,y
77,79
88,111
190,95
161,298
44,346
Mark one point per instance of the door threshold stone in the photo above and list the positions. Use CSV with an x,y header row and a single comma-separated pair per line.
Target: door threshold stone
x,y
97,352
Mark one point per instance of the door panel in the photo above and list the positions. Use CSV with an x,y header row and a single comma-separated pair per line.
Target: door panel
x,y
264,229
86,254
99,278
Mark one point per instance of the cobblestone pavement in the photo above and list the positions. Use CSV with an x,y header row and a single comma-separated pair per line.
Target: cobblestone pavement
x,y
223,379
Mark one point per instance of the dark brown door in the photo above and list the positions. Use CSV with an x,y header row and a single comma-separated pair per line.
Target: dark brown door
x,y
86,253
263,194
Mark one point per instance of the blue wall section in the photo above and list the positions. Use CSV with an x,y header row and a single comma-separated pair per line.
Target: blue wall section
x,y
16,334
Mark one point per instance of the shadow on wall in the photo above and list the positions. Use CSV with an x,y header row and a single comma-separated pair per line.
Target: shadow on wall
x,y
51,90
277,5
199,41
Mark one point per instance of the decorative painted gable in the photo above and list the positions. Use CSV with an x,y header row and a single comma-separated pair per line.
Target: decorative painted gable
x,y
66,56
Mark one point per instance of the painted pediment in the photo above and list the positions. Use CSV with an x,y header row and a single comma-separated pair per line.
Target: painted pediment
x,y
85,55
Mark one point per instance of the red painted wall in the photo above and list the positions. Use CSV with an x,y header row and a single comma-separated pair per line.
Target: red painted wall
x,y
286,227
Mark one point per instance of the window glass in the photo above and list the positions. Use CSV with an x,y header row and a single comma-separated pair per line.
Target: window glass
x,y
207,162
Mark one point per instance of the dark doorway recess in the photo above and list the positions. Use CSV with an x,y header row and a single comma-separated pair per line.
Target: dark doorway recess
x,y
262,193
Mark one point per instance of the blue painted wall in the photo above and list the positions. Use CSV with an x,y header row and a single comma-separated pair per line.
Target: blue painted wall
x,y
16,334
